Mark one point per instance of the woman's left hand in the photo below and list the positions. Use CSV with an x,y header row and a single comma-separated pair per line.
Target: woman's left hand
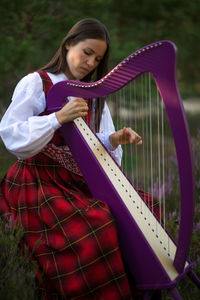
x,y
125,136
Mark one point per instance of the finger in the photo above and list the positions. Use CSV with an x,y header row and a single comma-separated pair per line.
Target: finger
x,y
135,138
139,140
80,107
139,143
131,135
78,101
82,114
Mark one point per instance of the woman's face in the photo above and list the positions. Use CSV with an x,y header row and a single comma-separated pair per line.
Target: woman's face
x,y
84,57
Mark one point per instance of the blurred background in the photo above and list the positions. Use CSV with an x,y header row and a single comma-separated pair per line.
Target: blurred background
x,y
31,32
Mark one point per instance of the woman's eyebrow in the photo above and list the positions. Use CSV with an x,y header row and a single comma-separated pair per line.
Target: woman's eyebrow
x,y
90,49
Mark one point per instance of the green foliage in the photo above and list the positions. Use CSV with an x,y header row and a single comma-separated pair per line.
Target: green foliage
x,y
17,273
186,287
31,31
6,160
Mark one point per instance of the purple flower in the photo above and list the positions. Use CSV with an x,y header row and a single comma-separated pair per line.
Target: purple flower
x,y
196,227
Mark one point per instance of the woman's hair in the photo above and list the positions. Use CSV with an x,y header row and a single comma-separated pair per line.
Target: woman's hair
x,y
84,29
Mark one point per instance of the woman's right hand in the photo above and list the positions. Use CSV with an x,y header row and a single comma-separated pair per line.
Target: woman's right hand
x,y
125,136
76,107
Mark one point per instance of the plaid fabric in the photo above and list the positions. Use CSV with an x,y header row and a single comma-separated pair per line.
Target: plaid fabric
x,y
72,235
152,203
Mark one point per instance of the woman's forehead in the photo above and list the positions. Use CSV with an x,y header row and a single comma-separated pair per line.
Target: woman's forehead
x,y
96,45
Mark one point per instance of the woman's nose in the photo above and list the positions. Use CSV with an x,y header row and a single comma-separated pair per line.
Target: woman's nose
x,y
91,61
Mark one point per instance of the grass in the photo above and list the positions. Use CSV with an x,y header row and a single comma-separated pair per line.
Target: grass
x,y
17,272
6,160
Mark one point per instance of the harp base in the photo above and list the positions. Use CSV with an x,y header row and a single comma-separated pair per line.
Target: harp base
x,y
157,294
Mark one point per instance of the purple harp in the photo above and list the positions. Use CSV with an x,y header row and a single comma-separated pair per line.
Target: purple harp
x,y
154,267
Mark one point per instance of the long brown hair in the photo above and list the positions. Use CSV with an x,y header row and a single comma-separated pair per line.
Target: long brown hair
x,y
84,29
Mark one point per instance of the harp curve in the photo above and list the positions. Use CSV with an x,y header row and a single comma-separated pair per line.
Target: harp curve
x,y
160,60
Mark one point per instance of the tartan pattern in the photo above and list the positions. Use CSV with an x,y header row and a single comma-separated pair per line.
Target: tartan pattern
x,y
152,203
78,252
72,235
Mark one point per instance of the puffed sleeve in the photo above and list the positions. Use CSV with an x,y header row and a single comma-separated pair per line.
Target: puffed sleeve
x,y
23,131
106,129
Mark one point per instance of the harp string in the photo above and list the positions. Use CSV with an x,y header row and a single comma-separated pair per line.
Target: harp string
x,y
139,105
136,126
162,183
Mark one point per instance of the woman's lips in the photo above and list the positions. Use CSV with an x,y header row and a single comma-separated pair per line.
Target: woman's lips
x,y
85,70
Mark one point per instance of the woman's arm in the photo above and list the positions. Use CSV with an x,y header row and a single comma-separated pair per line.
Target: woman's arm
x,y
106,130
114,139
23,132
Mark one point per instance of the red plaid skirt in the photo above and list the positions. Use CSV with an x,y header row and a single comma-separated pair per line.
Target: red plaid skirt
x,y
71,234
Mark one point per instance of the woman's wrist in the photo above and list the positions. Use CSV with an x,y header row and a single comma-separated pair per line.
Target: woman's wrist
x,y
114,140
59,117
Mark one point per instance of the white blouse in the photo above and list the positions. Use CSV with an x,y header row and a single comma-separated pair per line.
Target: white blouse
x,y
25,133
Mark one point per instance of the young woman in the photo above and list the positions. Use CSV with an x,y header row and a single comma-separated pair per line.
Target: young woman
x,y
71,235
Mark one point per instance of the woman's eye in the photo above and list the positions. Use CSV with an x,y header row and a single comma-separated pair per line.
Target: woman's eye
x,y
86,52
98,59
